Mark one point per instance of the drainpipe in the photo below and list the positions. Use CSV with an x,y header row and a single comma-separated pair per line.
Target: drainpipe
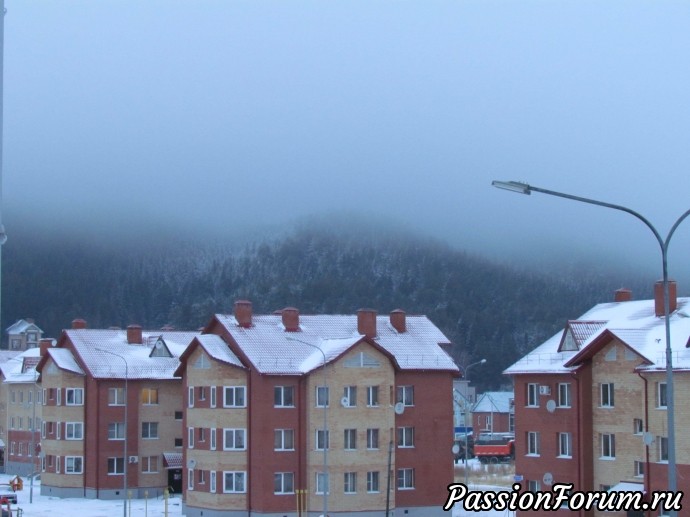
x,y
579,434
250,394
646,447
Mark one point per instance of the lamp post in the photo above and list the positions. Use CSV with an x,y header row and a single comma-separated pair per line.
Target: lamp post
x,y
524,188
466,370
327,481
124,459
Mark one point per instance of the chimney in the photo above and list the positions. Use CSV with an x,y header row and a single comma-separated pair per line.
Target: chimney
x,y
659,298
78,324
366,322
243,313
622,295
398,320
290,319
45,344
134,336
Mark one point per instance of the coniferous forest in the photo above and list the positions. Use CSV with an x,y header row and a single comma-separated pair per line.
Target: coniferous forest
x,y
488,310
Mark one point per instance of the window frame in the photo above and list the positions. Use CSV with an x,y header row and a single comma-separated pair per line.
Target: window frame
x,y
564,395
533,443
606,395
235,390
281,393
235,432
607,443
235,476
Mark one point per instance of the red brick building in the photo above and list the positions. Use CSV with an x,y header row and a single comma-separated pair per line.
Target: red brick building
x,y
257,393
590,404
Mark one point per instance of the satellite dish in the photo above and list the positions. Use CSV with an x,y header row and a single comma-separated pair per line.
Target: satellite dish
x,y
455,449
399,408
551,405
191,464
648,438
345,402
548,479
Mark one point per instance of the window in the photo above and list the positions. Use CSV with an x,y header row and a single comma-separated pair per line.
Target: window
x,y
234,396
372,396
661,395
284,440
405,436
405,479
322,439
178,415
284,396
190,437
533,443
234,482
190,396
350,482
74,464
284,483
11,422
639,468
116,396
322,396
202,396
321,483
149,396
178,442
213,482
663,448
74,396
202,434
372,481
149,430
372,438
190,479
201,477
511,422
405,394
149,464
74,430
638,426
57,464
116,466
350,396
21,397
606,394
564,394
213,396
12,397
608,445
532,395
565,445
350,439
59,395
30,399
213,439
234,439
116,431
533,486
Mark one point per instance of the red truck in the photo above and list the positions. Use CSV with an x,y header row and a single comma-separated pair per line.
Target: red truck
x,y
495,448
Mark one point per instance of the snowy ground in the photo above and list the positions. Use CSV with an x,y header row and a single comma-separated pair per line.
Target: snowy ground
x,y
44,506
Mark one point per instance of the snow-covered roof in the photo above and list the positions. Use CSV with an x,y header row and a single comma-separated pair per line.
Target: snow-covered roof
x,y
634,323
272,349
22,326
22,367
218,349
494,402
99,350
64,359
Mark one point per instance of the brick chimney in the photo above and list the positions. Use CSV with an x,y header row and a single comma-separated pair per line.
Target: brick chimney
x,y
290,319
398,320
78,324
243,313
622,295
134,336
44,344
366,322
659,298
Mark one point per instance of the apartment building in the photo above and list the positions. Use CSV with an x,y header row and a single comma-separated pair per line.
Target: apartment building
x,y
20,413
112,412
590,402
290,414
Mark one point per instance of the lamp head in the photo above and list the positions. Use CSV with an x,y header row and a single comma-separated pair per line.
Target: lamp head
x,y
512,186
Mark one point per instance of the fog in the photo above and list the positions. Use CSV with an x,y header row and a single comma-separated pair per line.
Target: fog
x,y
214,118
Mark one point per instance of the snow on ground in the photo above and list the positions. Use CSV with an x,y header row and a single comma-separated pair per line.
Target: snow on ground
x,y
46,506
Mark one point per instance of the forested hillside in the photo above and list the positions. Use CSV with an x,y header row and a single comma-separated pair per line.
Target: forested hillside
x,y
491,311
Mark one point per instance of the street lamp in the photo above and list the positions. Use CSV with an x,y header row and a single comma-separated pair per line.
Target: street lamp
x,y
465,371
524,188
125,459
327,481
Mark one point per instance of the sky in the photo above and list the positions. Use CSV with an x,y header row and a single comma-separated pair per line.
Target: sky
x,y
222,116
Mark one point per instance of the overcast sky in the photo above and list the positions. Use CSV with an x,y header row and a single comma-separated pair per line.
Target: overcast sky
x,y
229,114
